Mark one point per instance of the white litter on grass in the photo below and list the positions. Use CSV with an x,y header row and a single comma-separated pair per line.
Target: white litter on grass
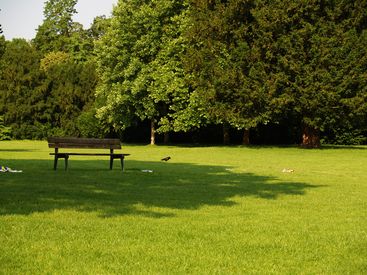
x,y
286,170
4,169
147,171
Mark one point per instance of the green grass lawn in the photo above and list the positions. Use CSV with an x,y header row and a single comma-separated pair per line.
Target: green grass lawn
x,y
225,210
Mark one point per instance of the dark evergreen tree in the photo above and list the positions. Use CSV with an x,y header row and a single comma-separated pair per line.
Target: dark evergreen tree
x,y
317,52
229,72
259,61
69,88
19,78
68,68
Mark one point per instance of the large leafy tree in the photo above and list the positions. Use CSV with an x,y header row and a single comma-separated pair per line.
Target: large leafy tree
x,y
99,27
55,32
59,32
138,58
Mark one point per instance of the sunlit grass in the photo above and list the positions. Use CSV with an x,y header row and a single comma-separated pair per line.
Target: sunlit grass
x,y
207,210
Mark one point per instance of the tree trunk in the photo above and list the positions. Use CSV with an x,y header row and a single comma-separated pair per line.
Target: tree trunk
x,y
246,137
152,132
226,137
166,138
310,137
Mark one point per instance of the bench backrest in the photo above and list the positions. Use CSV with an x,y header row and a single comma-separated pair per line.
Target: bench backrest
x,y
86,143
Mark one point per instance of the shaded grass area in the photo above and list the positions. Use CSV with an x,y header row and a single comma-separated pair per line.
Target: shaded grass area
x,y
208,210
91,187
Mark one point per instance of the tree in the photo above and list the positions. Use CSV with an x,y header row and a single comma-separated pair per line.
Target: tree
x,y
59,33
228,71
68,90
55,32
19,78
138,58
44,97
5,131
68,70
99,27
318,51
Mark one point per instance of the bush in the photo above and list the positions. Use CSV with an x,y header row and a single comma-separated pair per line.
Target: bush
x,y
88,125
5,132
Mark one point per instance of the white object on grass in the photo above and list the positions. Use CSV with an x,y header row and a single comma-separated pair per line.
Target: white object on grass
x,y
4,169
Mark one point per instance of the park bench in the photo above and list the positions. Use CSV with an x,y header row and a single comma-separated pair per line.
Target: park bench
x,y
85,143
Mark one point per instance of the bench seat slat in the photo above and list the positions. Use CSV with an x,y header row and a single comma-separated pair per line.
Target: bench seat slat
x,y
89,154
88,143
84,146
83,140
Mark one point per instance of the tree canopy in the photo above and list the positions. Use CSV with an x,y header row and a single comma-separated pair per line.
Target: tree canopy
x,y
138,58
186,65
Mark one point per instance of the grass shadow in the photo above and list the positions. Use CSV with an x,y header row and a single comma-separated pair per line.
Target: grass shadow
x,y
16,150
90,186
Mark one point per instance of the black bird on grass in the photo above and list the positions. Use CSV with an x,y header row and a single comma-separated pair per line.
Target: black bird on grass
x,y
166,159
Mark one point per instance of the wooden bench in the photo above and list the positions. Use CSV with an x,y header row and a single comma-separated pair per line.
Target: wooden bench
x,y
85,143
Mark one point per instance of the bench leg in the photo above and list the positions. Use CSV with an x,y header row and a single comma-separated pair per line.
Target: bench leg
x,y
66,161
55,162
122,163
121,159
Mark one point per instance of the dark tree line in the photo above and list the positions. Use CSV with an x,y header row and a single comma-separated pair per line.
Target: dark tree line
x,y
47,85
186,66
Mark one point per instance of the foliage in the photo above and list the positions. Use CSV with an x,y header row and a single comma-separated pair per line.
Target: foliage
x,y
53,58
55,32
318,52
99,27
19,80
187,64
70,88
88,125
37,103
5,132
59,33
345,136
46,85
227,72
138,58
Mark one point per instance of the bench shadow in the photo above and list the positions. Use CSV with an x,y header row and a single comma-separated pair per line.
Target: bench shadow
x,y
89,186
